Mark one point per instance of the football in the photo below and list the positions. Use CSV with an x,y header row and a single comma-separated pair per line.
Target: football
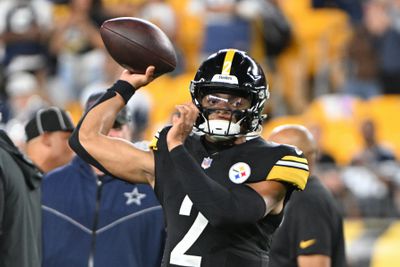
x,y
136,44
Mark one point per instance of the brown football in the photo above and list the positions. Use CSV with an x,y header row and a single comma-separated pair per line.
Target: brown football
x,y
136,44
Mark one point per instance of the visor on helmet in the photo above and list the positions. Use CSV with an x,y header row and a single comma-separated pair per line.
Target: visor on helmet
x,y
225,101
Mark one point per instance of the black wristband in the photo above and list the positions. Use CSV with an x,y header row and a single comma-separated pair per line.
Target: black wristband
x,y
124,89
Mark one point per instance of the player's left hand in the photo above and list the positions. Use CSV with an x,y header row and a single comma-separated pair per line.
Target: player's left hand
x,y
182,125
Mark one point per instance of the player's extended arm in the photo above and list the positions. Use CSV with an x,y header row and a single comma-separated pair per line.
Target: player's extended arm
x,y
111,155
221,205
313,261
218,204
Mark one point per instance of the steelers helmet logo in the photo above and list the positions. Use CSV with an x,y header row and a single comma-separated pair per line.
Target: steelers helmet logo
x,y
239,172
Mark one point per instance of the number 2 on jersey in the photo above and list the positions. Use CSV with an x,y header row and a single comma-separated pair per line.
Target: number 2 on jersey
x,y
178,256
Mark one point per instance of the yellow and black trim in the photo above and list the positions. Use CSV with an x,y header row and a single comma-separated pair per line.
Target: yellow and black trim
x,y
154,142
290,169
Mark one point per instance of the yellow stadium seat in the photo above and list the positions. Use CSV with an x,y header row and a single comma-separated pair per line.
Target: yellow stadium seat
x,y
353,229
75,110
384,110
321,33
190,32
339,118
386,248
319,40
60,12
166,92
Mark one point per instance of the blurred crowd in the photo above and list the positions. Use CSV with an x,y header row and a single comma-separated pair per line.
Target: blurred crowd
x,y
332,65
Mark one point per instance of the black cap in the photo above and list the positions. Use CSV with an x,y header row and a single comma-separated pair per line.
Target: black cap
x,y
122,118
50,119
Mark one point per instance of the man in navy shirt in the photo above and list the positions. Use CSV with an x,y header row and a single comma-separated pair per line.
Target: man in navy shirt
x,y
92,219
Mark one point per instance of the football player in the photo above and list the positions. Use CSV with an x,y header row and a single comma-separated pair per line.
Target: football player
x,y
222,187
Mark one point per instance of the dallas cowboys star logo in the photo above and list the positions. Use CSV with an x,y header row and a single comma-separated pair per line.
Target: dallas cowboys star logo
x,y
134,197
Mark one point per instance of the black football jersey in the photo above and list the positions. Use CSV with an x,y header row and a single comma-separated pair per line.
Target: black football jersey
x,y
191,240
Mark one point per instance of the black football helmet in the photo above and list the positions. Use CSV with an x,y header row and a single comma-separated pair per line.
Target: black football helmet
x,y
232,72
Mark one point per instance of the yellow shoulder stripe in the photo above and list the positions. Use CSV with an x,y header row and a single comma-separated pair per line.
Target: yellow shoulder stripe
x,y
153,143
294,158
295,176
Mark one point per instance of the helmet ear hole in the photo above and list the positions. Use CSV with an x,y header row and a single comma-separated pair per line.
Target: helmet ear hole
x,y
231,71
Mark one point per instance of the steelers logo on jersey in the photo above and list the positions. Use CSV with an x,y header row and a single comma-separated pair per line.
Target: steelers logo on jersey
x,y
239,172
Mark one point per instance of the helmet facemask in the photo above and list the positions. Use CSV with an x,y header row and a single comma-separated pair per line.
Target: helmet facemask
x,y
237,122
243,78
221,129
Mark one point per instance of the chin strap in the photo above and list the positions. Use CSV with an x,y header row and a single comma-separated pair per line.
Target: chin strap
x,y
255,133
219,135
220,127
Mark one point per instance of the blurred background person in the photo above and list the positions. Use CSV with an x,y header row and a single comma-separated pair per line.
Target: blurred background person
x,y
361,65
370,175
47,136
23,100
20,177
139,106
20,215
25,27
311,233
373,152
224,27
76,45
91,219
382,22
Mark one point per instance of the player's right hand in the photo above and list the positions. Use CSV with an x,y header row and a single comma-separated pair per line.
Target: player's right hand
x,y
138,80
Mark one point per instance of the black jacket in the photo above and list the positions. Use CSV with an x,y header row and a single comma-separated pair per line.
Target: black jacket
x,y
20,212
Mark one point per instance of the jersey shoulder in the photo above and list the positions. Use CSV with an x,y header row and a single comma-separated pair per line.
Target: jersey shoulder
x,y
156,142
286,164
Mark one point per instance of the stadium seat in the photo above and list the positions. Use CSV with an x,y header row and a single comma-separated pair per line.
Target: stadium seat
x,y
353,229
320,36
339,118
166,92
384,111
386,249
190,32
